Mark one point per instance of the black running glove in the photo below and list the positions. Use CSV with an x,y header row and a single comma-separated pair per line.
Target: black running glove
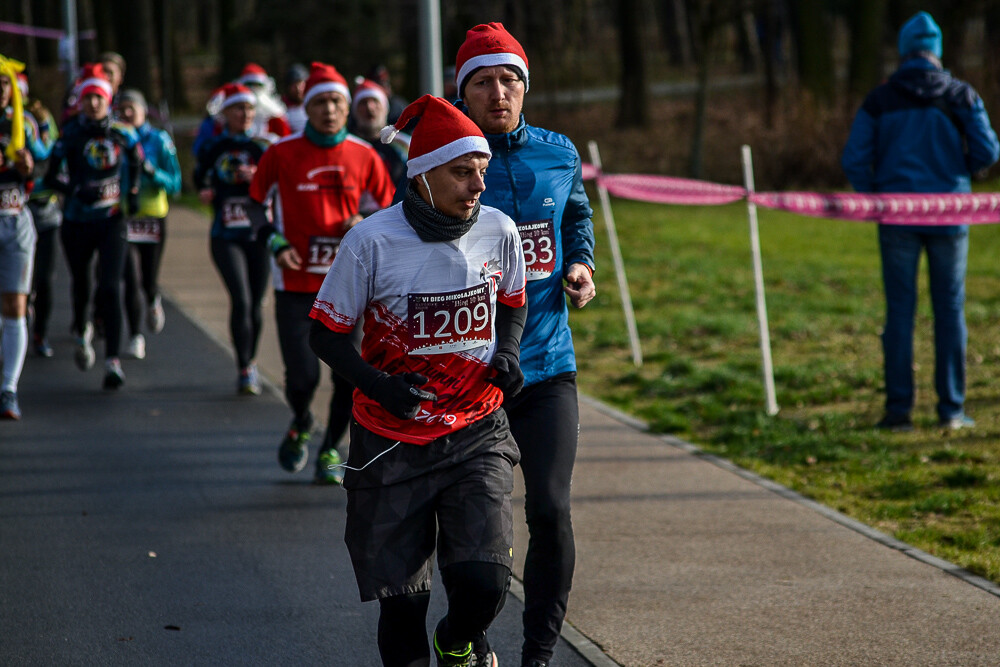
x,y
400,395
509,379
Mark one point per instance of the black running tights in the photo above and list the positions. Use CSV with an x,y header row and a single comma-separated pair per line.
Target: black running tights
x,y
245,268
476,594
108,239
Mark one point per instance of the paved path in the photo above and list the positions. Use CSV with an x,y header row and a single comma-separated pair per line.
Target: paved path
x,y
682,559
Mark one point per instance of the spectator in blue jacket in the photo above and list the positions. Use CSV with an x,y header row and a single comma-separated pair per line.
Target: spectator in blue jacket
x,y
535,177
922,131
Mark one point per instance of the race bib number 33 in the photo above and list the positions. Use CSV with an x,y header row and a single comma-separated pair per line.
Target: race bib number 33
x,y
538,240
450,321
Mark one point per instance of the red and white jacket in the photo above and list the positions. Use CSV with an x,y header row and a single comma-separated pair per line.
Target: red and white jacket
x,y
319,189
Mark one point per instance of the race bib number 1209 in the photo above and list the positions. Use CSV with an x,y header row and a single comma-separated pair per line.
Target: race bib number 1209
x,y
450,321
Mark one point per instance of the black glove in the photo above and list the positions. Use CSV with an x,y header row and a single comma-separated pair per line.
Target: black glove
x,y
88,194
399,394
509,379
133,203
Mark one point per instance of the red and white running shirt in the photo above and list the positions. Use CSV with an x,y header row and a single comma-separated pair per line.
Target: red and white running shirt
x,y
428,308
318,190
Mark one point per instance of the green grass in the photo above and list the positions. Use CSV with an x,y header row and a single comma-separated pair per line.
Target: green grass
x,y
691,282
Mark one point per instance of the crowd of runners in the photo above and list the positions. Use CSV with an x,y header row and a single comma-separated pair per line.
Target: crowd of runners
x,y
435,289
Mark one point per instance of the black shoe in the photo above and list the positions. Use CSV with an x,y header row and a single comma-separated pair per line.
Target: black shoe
x,y
895,423
535,663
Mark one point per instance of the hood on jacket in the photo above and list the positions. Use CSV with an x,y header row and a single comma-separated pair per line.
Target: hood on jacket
x,y
920,33
921,78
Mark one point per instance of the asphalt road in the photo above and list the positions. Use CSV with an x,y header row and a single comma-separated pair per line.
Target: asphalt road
x,y
153,526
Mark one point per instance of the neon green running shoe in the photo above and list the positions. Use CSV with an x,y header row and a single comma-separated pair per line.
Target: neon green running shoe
x,y
294,450
329,468
463,657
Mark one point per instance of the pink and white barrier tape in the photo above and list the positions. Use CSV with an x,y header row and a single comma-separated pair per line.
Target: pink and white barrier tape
x,y
887,208
44,33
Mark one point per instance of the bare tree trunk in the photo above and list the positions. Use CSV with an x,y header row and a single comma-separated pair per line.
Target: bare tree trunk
x,y
675,32
632,107
31,50
814,48
705,30
867,20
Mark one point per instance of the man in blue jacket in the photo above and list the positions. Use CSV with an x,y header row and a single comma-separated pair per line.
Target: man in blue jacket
x,y
535,178
921,131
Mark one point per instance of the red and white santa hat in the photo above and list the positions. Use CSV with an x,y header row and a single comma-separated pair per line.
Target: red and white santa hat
x,y
325,78
367,88
235,93
253,74
94,80
442,134
489,45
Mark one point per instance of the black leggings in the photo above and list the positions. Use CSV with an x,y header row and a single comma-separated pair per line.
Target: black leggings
x,y
41,281
545,422
142,269
108,239
476,594
245,268
291,310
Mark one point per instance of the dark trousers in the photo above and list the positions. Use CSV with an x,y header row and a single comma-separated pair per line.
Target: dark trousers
x,y
142,273
106,238
41,281
545,421
302,367
245,268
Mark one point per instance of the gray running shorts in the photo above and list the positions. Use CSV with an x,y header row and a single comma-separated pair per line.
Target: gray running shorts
x,y
17,252
462,510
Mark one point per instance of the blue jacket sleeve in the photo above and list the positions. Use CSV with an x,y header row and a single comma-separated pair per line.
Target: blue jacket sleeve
x,y
577,225
984,149
858,159
205,133
166,168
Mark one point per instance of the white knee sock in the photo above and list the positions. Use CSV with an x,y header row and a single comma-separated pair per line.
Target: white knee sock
x,y
15,346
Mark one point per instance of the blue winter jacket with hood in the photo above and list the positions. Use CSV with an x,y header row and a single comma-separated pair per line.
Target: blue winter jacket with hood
x,y
922,130
535,177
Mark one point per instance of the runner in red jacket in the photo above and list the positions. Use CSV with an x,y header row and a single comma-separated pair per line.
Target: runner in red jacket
x,y
322,176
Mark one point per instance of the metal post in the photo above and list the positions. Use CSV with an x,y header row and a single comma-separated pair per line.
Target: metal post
x,y
68,50
430,48
758,277
616,255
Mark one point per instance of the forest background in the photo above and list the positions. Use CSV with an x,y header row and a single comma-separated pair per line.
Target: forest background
x,y
665,86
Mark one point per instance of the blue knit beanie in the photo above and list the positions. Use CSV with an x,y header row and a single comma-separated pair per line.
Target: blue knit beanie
x,y
920,33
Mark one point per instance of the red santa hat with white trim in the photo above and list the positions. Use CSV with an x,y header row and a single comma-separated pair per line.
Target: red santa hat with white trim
x,y
367,88
253,74
325,78
235,93
442,134
489,45
94,81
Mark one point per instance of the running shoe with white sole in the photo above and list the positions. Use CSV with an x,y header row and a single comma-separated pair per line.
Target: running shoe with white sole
x,y
136,347
114,376
155,317
84,354
248,382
